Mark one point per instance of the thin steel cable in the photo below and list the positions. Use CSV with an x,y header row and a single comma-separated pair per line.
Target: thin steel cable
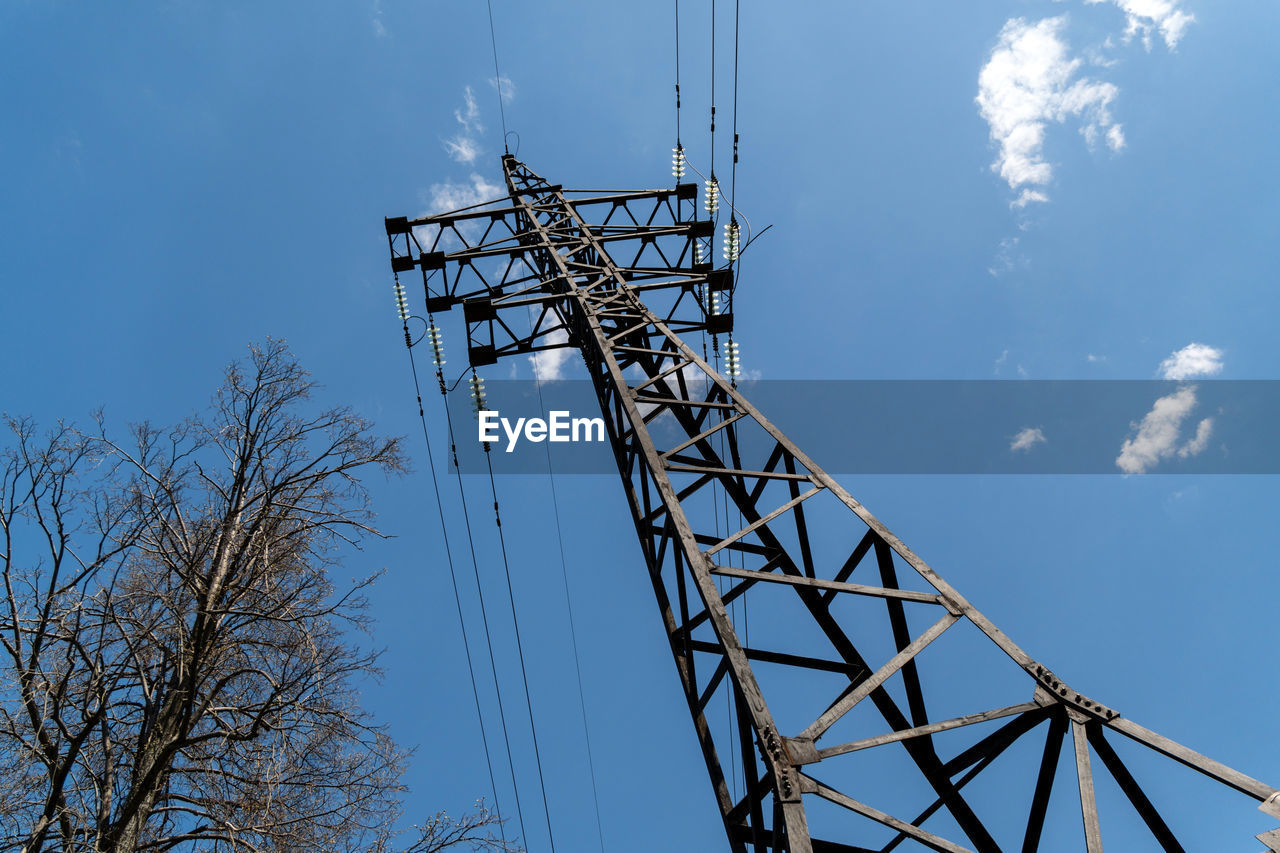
x,y
733,169
573,633
677,73
737,264
453,577
737,273
497,78
713,92
730,689
746,636
720,581
475,567
734,264
715,216
515,621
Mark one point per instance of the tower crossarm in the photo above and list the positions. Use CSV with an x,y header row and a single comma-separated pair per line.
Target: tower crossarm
x,y
807,637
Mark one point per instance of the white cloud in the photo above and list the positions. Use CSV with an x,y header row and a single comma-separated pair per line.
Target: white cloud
x,y
1027,83
451,195
1027,439
463,147
548,365
1008,258
1159,432
505,88
1027,197
1095,359
1145,16
379,29
1203,430
469,115
454,195
1193,360
999,362
1097,54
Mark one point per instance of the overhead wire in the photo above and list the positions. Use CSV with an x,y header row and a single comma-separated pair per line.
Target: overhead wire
x,y
733,252
736,264
515,620
573,633
712,206
677,74
497,78
713,90
711,197
453,576
711,190
731,237
475,567
733,169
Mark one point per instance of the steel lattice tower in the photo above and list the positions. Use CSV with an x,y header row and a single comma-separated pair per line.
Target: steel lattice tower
x,y
615,276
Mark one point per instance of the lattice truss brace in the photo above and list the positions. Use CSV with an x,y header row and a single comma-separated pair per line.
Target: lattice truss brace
x,y
845,687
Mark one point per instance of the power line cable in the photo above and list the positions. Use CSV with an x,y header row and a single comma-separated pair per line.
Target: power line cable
x,y
728,531
733,170
713,90
475,567
677,73
737,263
515,621
713,189
497,78
573,633
453,577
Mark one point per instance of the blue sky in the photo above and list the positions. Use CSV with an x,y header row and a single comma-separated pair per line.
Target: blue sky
x,y
1049,190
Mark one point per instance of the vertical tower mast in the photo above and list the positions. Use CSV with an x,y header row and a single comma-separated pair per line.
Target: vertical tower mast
x,y
614,277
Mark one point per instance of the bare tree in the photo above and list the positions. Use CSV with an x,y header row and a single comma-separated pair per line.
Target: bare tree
x,y
178,670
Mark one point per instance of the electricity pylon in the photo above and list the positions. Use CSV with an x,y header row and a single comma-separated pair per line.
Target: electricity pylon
x,y
814,712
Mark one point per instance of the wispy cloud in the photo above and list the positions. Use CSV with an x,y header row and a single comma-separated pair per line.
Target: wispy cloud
x,y
1160,431
504,87
1193,360
1027,439
68,149
464,147
468,115
1029,82
379,29
1008,258
452,195
1143,17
